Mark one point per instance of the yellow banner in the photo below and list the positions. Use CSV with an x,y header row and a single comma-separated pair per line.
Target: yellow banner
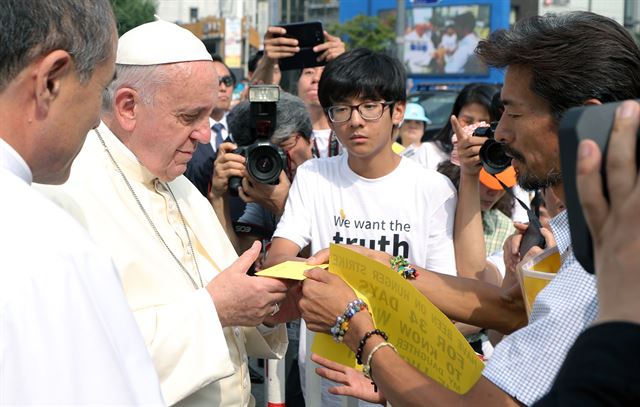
x,y
422,334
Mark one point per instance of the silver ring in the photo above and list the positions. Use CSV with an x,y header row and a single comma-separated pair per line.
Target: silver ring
x,y
276,309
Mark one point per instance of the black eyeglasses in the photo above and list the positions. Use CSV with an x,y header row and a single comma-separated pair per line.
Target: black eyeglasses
x,y
368,111
227,80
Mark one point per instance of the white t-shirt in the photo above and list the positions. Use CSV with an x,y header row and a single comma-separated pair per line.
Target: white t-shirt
x,y
409,212
429,155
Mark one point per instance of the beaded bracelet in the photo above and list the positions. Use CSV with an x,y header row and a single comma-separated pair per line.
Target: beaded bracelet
x,y
402,266
364,340
342,321
366,369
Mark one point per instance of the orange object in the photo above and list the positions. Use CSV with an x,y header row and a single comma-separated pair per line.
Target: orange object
x,y
508,177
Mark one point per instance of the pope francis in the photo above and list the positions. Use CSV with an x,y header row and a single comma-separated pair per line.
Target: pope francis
x,y
198,311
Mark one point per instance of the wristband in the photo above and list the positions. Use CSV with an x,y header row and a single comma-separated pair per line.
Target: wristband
x,y
340,328
364,340
366,369
400,265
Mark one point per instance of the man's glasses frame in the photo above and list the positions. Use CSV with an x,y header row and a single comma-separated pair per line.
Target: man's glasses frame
x,y
372,114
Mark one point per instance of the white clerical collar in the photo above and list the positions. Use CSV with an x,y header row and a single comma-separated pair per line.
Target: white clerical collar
x,y
14,163
125,158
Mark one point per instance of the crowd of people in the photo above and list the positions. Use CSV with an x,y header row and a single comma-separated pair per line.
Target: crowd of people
x,y
128,256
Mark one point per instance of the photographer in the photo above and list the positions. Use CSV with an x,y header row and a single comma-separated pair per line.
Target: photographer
x,y
266,202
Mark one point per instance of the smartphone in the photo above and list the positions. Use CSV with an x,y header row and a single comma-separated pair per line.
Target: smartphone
x,y
309,35
590,122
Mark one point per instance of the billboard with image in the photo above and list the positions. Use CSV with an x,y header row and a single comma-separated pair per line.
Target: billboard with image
x,y
439,40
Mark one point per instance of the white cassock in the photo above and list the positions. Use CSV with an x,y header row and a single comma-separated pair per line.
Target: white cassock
x,y
67,336
199,362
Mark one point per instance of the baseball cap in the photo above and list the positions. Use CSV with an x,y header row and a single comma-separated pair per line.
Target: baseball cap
x,y
414,111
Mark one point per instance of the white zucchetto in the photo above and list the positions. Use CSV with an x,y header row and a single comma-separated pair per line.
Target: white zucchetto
x,y
160,42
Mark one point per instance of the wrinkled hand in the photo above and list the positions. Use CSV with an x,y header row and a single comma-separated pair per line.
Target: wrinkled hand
x,y
225,166
271,197
324,297
243,300
277,46
614,224
353,383
468,147
331,48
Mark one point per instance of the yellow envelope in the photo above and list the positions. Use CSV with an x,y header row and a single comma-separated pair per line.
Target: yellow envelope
x,y
292,270
422,334
535,273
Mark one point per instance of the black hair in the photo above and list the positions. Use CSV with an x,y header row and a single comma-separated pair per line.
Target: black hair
x,y
572,57
218,58
497,107
362,73
253,61
480,93
465,21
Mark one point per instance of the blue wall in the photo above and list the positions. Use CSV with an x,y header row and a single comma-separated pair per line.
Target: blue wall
x,y
499,19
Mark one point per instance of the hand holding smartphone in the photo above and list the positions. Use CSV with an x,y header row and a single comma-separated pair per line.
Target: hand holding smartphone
x,y
308,35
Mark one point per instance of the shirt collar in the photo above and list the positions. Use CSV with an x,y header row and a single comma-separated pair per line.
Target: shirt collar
x,y
125,158
11,161
560,227
222,121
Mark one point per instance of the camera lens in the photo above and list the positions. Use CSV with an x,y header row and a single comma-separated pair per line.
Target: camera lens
x,y
493,156
264,164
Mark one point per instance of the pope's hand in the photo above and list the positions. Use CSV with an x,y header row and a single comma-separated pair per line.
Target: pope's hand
x,y
243,300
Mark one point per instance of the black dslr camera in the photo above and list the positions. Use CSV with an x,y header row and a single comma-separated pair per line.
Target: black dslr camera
x,y
264,160
494,158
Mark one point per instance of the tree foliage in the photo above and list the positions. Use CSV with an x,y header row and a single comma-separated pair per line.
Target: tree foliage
x,y
366,31
132,13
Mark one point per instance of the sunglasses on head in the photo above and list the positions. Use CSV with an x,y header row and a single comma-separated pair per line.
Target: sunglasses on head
x,y
227,80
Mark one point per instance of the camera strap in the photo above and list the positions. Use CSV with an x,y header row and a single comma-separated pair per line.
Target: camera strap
x,y
533,236
332,150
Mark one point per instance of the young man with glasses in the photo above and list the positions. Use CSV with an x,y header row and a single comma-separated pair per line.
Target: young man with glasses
x,y
369,196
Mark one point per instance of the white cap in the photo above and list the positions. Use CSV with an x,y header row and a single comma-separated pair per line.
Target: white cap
x,y
160,42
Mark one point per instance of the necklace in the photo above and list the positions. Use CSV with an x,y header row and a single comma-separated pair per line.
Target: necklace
x,y
153,226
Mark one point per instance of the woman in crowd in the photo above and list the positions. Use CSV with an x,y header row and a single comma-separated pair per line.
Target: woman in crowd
x,y
472,105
